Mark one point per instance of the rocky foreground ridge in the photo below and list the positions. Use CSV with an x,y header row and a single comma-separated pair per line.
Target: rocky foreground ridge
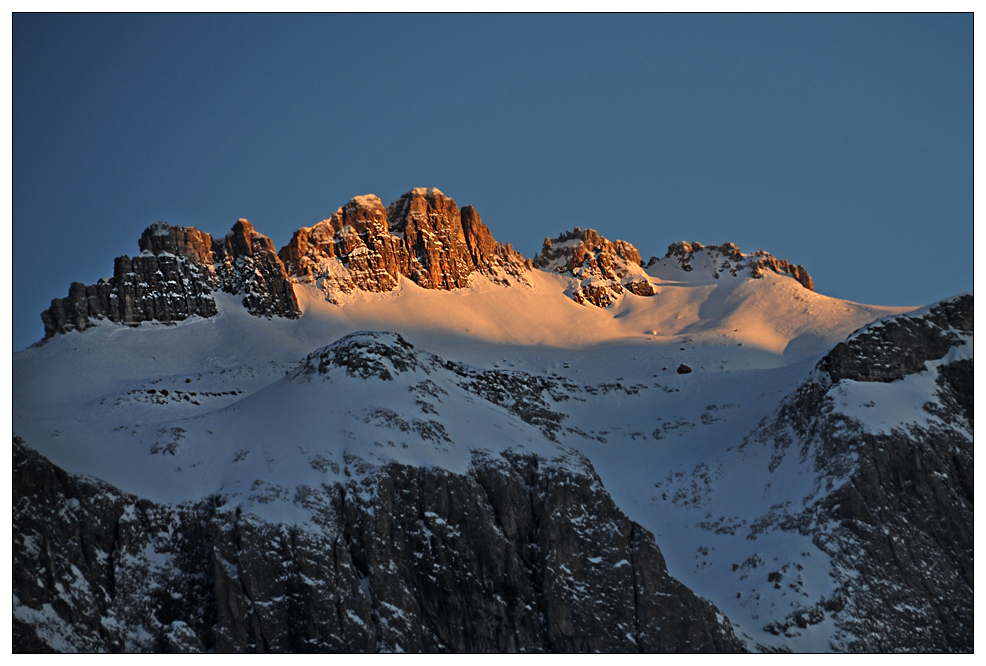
x,y
516,555
363,246
892,507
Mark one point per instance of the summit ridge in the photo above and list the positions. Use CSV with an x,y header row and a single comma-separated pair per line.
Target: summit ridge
x,y
364,247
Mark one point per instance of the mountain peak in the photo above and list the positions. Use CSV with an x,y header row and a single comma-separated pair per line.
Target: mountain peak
x,y
423,236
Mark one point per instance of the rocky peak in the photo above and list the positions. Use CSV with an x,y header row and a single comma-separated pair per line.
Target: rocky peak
x,y
248,265
727,257
170,280
605,269
351,250
173,279
421,236
498,261
161,237
431,226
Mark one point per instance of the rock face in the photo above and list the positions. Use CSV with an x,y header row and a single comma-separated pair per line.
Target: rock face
x,y
605,269
247,264
351,250
728,258
893,506
422,236
893,348
173,278
515,555
497,261
431,226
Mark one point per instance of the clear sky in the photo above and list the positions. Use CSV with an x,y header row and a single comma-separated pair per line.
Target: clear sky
x,y
840,142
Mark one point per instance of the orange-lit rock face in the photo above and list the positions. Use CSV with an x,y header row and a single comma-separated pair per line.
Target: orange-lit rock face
x,y
607,269
351,250
423,236
431,225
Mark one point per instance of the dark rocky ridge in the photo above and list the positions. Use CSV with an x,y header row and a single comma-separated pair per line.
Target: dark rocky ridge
x,y
896,347
605,268
893,510
173,278
727,257
516,555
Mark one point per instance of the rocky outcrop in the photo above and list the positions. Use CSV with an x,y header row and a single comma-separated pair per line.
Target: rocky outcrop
x,y
352,250
173,279
431,226
247,264
728,258
422,236
893,505
893,348
518,554
604,269
366,354
497,261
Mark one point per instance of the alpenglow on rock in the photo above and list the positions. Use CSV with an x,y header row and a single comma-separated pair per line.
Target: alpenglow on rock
x,y
605,269
727,257
366,247
173,279
422,236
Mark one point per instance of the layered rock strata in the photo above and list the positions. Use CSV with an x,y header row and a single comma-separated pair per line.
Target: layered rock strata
x,y
515,555
173,279
422,236
728,258
604,269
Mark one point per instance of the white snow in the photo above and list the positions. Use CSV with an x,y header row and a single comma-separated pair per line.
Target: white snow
x,y
84,400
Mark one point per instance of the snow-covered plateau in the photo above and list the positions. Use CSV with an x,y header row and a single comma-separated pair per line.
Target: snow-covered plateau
x,y
794,475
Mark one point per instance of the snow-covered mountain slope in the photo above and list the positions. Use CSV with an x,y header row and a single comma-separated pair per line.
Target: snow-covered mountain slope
x,y
725,413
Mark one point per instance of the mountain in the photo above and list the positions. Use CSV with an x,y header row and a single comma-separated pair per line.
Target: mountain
x,y
397,434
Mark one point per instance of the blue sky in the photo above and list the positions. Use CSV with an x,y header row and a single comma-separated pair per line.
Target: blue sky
x,y
840,142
